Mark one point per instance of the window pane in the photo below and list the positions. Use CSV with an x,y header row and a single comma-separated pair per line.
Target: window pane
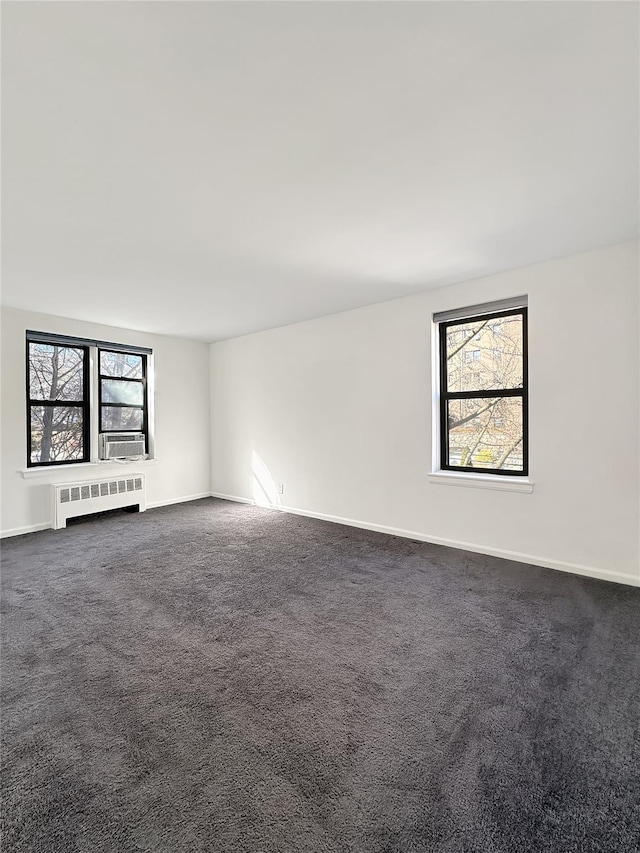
x,y
113,417
122,391
55,372
485,355
486,433
56,433
122,364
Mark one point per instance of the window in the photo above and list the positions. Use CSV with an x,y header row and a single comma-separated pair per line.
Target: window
x,y
123,392
483,403
58,403
67,378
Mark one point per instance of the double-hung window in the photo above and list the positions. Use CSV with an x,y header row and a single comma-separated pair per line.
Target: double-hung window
x,y
483,389
123,392
57,403
78,388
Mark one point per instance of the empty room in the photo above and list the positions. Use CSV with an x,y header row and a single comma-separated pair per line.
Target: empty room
x,y
320,428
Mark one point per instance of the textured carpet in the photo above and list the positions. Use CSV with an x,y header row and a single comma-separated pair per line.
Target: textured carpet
x,y
214,677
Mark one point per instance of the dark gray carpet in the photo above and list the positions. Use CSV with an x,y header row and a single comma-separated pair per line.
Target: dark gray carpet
x,y
212,677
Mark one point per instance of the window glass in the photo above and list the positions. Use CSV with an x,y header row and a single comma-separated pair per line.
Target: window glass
x,y
485,354
117,418
122,391
485,432
57,434
55,372
124,365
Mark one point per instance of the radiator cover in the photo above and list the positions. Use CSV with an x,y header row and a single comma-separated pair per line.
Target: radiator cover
x,y
73,499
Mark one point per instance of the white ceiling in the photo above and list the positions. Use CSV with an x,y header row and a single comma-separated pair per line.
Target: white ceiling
x,y
211,169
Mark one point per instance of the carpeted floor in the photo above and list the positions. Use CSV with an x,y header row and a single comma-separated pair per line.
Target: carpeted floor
x,y
212,677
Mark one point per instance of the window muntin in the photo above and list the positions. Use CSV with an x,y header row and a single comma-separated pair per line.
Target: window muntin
x,y
122,385
483,393
57,403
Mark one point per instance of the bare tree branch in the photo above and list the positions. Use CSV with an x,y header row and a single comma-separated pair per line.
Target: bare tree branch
x,y
468,457
471,417
467,340
508,452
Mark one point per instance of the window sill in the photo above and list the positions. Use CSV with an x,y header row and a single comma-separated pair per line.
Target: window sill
x,y
34,473
482,481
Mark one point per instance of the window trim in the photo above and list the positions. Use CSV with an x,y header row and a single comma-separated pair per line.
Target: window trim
x,y
92,398
84,404
444,395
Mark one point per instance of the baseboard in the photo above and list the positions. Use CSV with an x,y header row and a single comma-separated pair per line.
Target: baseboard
x,y
531,559
30,528
33,528
238,500
183,500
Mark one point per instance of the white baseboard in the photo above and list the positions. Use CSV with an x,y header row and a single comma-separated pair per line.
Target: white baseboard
x,y
238,500
183,500
30,528
558,565
33,528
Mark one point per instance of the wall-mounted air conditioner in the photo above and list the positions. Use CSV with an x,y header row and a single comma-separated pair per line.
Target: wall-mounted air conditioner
x,y
122,445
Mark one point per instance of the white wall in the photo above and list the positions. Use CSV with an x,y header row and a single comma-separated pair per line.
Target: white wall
x,y
182,437
339,410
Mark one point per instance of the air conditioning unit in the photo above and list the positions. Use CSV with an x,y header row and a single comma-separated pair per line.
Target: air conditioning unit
x,y
122,445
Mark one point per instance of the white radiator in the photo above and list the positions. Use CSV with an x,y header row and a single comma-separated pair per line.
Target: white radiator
x,y
73,499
